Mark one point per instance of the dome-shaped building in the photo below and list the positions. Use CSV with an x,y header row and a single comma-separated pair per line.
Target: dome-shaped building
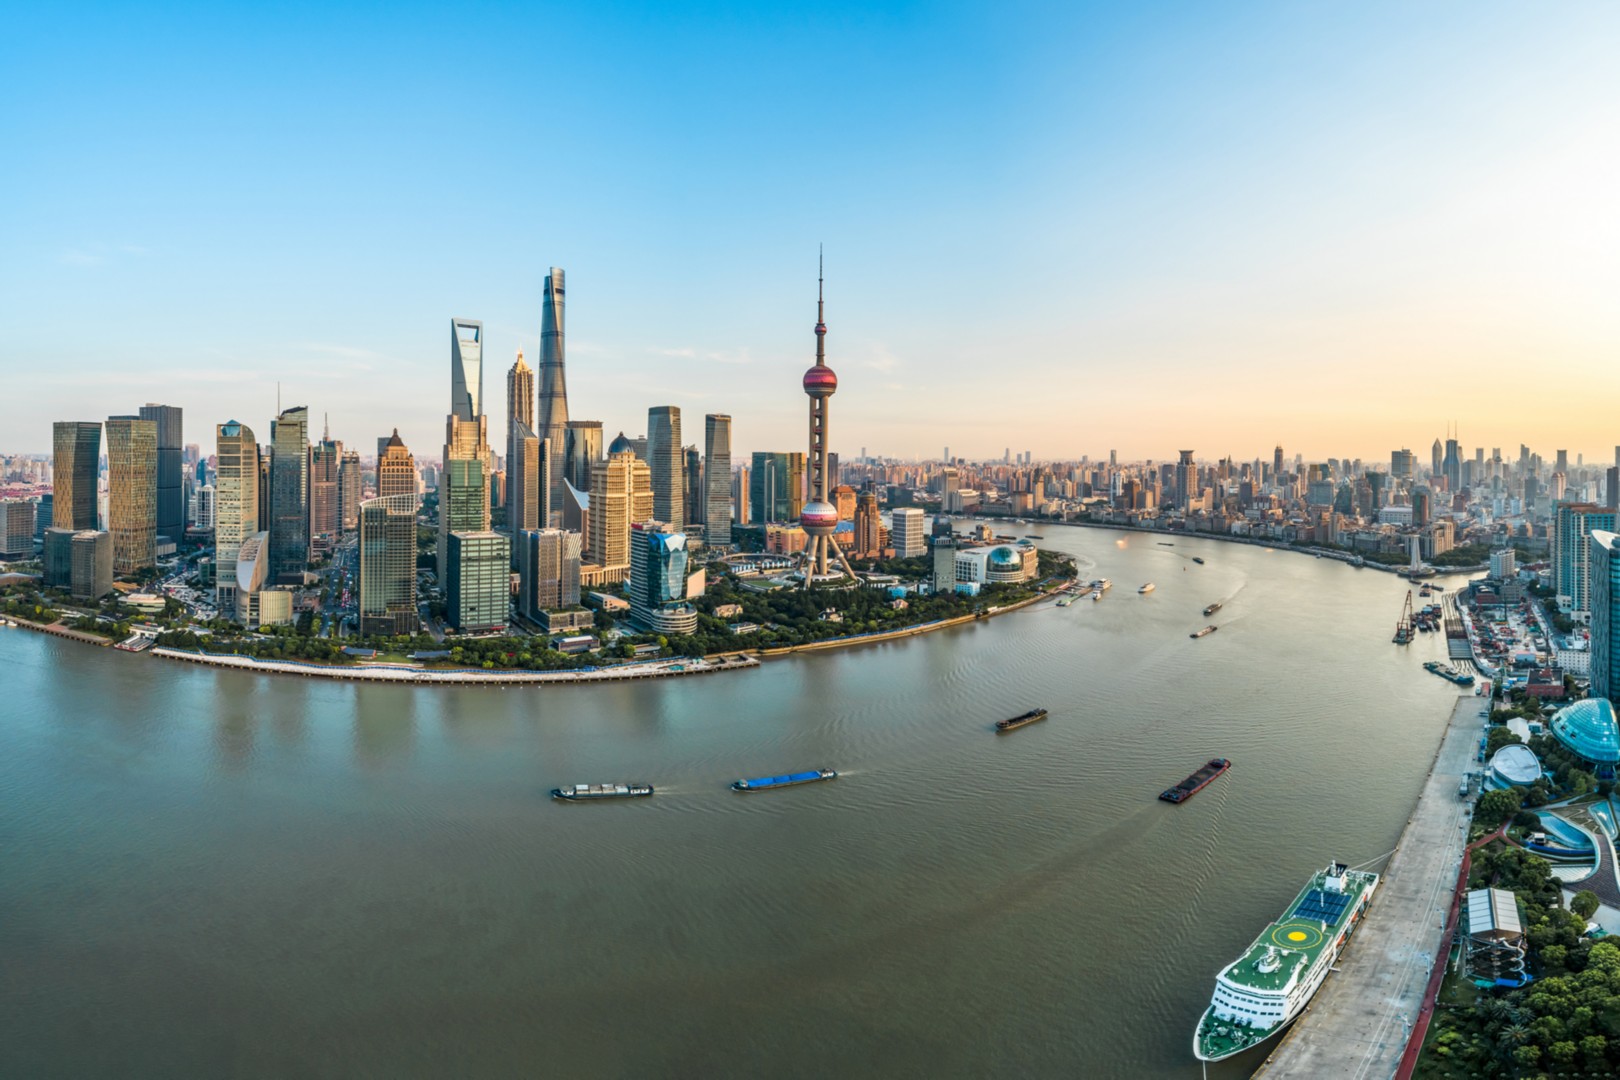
x,y
620,444
1004,564
1515,765
1588,730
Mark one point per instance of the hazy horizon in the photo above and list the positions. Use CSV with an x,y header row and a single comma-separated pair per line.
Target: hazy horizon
x,y
1065,231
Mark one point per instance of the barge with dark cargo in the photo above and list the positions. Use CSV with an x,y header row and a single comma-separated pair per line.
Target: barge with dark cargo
x,y
765,783
1197,781
1020,720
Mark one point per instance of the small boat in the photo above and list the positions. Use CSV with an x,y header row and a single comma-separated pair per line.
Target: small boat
x,y
1020,720
1145,589
1212,609
1205,632
1096,596
1102,584
1166,543
1196,782
762,783
1066,601
1197,560
580,792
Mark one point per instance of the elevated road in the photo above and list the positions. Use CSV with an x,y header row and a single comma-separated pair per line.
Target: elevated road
x,y
1358,1024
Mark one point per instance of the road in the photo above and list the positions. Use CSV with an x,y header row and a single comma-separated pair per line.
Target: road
x,y
1358,1024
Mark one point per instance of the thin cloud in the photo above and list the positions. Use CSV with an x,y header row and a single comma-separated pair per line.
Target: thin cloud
x,y
740,356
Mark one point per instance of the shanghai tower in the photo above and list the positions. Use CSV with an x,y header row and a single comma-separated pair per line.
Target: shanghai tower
x,y
553,416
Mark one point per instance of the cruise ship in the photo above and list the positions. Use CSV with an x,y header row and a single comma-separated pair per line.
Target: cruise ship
x,y
1267,987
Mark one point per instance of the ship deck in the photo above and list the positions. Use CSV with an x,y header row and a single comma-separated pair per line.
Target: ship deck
x,y
1299,935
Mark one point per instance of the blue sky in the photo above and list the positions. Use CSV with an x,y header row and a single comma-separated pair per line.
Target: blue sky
x,y
1061,228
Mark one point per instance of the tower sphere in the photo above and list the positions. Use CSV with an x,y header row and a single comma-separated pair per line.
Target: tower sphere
x,y
819,518
820,381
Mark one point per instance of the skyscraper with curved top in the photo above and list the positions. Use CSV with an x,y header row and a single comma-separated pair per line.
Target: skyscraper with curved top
x,y
466,369
551,422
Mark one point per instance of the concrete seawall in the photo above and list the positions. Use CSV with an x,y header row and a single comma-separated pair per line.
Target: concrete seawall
x,y
654,669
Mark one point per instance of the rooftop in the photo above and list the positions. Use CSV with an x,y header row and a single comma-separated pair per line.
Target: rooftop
x,y
1588,729
1311,921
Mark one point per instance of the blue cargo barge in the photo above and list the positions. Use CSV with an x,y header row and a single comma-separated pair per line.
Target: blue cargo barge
x,y
789,780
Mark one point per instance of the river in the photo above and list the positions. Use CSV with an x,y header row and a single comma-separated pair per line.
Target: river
x,y
212,873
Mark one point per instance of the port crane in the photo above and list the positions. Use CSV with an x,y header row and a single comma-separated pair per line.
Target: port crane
x,y
1403,628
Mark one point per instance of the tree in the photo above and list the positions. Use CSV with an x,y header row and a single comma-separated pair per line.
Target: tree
x,y
1584,903
1496,807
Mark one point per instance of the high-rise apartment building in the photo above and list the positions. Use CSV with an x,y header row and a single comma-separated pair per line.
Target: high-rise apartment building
x,y
519,417
658,580
170,490
621,494
717,480
387,587
289,494
740,491
583,449
75,474
236,504
478,589
667,462
466,369
396,469
132,493
551,422
1573,524
548,571
907,529
1186,482
1604,565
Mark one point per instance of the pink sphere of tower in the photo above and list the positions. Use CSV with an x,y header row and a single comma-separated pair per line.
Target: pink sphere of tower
x,y
819,518
820,381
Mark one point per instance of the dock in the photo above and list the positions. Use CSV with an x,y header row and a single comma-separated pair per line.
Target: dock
x,y
1357,1026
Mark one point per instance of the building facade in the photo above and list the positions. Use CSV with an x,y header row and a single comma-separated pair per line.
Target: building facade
x,y
551,421
478,596
466,369
289,493
132,493
908,531
667,462
621,495
16,529
717,481
658,577
1604,569
548,571
387,586
75,475
583,449
90,560
171,522
1573,524
519,418
236,504
396,469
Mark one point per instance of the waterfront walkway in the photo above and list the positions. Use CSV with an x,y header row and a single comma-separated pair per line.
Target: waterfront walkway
x,y
1357,1026
653,669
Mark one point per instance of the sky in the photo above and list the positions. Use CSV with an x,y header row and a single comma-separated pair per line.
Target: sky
x,y
1066,228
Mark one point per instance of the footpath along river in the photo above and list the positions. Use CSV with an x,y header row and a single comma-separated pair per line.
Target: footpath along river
x,y
209,872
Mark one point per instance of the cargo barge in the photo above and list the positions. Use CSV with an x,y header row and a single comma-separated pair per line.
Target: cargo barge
x,y
1205,632
1196,782
1020,720
1448,673
1212,609
581,792
763,783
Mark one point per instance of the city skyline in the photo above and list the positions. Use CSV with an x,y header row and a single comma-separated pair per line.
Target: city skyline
x,y
1318,264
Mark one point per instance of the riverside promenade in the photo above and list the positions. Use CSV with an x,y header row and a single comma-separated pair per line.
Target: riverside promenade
x,y
1357,1025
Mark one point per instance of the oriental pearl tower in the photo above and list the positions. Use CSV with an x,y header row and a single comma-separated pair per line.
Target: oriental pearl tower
x,y
820,517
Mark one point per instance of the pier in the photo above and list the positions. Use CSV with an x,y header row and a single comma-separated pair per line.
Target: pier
x,y
1358,1024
